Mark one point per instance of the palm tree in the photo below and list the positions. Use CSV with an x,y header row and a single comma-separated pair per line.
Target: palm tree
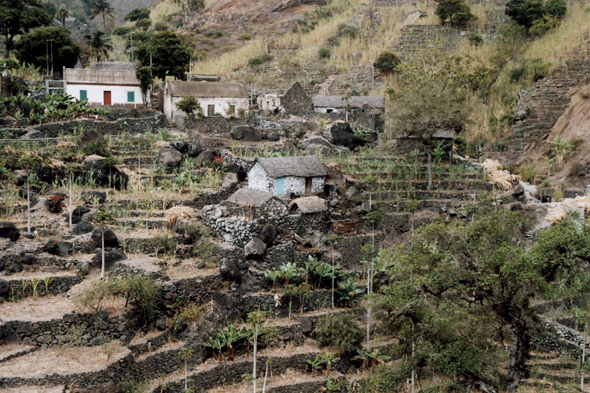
x,y
61,15
100,45
103,8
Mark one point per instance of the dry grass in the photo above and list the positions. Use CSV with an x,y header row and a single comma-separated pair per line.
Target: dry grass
x,y
174,213
62,361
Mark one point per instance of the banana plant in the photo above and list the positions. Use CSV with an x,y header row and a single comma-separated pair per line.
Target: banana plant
x,y
290,273
349,292
273,276
371,357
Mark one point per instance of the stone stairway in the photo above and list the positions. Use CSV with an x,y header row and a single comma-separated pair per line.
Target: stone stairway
x,y
419,38
544,102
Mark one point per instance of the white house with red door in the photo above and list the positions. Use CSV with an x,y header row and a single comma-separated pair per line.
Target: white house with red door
x,y
104,84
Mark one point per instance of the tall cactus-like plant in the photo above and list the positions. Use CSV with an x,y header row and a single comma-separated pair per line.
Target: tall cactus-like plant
x,y
103,218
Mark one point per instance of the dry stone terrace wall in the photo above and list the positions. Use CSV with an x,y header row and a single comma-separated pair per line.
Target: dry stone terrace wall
x,y
58,284
86,329
213,125
132,125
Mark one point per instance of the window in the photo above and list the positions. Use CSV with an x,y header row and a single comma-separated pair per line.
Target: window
x,y
329,110
83,95
130,96
232,110
210,110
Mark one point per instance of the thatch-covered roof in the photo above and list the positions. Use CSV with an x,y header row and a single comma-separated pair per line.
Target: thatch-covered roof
x,y
310,204
104,76
307,166
249,197
353,102
206,89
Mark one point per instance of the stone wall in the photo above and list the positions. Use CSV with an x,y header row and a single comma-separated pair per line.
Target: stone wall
x,y
83,329
213,125
132,125
57,285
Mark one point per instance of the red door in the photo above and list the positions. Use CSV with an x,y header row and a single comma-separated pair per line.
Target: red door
x,y
107,98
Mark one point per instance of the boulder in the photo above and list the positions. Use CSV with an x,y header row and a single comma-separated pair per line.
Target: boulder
x,y
314,141
306,325
9,231
268,234
82,228
4,287
57,247
246,134
15,267
206,157
110,258
531,190
29,258
341,134
272,135
77,214
194,149
91,196
110,239
255,248
229,271
85,268
351,192
169,157
90,136
181,146
104,175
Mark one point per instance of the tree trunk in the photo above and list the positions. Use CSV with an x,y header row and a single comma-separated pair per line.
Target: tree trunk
x,y
583,359
28,207
265,374
254,361
70,213
333,273
518,355
102,269
429,171
185,376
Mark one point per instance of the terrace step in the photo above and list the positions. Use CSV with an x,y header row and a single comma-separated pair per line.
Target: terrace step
x,y
11,351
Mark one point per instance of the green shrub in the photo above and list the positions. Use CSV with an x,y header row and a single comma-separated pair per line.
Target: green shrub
x,y
324,53
190,105
195,232
475,39
245,37
143,24
455,12
218,34
339,330
345,30
260,60
121,31
96,147
387,62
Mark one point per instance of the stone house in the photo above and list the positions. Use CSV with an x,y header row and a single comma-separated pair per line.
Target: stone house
x,y
288,175
104,84
216,98
295,101
244,213
311,213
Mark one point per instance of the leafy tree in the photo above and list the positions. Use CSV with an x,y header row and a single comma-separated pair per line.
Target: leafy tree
x,y
137,14
339,330
17,17
190,105
62,14
387,62
556,8
50,8
104,9
143,24
169,55
460,287
525,12
190,5
31,47
100,45
455,12
144,75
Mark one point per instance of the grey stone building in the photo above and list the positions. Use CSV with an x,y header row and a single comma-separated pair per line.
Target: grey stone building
x,y
288,175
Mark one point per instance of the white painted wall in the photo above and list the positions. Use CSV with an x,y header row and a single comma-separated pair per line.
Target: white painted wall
x,y
258,179
95,93
176,116
269,101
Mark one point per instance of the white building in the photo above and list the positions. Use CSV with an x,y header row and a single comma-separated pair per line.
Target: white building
x,y
269,101
338,104
104,84
216,98
286,175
